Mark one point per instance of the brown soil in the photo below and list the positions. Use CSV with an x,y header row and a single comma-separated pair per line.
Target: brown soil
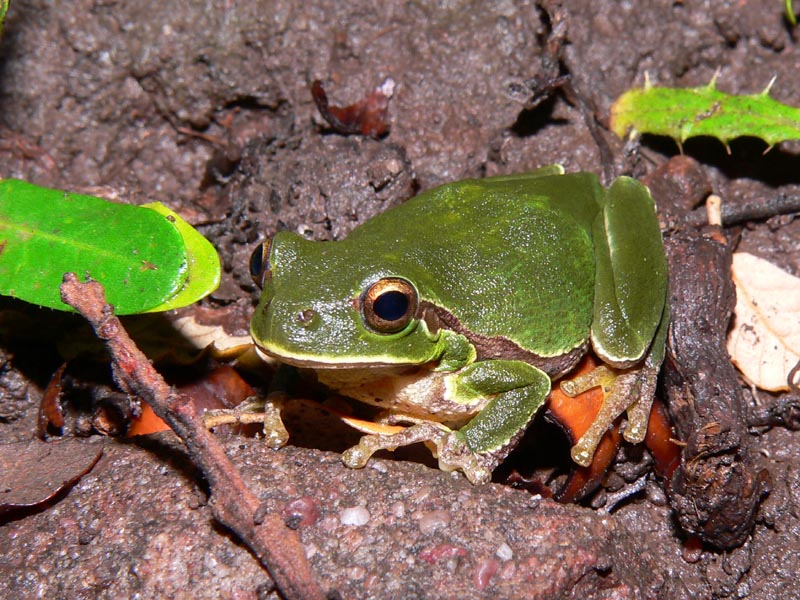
x,y
207,107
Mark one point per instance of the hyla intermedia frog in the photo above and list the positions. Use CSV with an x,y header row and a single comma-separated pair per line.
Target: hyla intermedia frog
x,y
455,310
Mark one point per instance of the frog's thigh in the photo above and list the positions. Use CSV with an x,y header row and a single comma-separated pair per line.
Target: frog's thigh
x,y
631,273
519,390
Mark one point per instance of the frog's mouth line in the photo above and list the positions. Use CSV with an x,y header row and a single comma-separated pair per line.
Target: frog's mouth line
x,y
336,363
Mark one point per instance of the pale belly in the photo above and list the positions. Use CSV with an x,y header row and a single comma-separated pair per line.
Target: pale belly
x,y
418,392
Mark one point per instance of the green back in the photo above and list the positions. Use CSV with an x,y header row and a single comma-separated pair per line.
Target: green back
x,y
509,257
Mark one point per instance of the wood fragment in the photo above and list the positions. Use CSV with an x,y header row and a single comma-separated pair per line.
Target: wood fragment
x,y
717,489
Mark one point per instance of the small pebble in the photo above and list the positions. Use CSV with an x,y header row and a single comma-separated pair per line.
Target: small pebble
x,y
398,509
504,552
486,569
302,512
356,516
433,520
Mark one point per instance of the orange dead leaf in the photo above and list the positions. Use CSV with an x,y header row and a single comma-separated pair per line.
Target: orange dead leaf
x,y
222,388
575,415
660,441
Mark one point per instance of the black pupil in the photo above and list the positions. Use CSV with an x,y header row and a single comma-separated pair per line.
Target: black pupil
x,y
391,306
256,262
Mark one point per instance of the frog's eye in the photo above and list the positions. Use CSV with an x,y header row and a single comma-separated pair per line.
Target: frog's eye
x,y
389,304
260,269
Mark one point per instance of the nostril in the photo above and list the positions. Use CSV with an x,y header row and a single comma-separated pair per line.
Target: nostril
x,y
306,317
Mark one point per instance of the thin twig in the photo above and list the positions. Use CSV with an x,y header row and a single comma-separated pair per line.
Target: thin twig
x,y
277,547
757,209
552,65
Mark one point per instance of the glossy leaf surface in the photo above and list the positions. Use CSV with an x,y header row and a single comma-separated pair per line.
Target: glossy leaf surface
x,y
140,256
3,9
203,268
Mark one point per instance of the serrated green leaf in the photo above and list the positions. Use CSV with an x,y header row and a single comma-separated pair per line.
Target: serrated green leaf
x,y
202,260
682,113
137,254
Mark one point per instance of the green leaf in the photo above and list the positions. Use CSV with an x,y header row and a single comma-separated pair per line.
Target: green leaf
x,y
140,255
202,261
3,9
681,113
789,11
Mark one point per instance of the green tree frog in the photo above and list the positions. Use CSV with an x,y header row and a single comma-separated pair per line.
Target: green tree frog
x,y
454,311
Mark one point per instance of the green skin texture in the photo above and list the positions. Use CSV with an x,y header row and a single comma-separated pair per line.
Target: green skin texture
x,y
543,262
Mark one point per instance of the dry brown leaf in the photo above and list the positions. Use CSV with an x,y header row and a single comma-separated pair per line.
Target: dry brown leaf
x,y
764,342
214,336
35,472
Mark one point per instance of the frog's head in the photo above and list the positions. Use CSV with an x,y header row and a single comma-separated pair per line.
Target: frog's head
x,y
329,304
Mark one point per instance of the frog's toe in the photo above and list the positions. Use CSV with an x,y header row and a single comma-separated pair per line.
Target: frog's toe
x,y
630,390
358,456
583,452
253,410
639,411
454,455
600,376
249,411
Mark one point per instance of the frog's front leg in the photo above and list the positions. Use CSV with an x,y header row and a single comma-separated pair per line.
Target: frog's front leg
x,y
451,450
515,391
266,411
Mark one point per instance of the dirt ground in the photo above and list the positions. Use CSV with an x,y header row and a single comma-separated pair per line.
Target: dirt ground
x,y
207,107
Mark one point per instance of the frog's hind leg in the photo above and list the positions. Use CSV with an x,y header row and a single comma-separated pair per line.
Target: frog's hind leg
x,y
631,276
631,313
630,390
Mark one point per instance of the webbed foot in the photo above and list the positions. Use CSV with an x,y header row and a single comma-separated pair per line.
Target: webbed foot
x,y
448,446
630,390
